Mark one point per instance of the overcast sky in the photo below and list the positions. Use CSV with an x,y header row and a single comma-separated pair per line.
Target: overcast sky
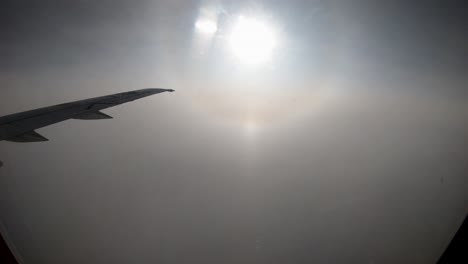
x,y
348,144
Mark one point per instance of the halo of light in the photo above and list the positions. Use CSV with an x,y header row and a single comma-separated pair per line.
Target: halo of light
x,y
252,41
250,127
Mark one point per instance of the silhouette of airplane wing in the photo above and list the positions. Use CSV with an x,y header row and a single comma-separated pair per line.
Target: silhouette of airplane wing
x,y
20,127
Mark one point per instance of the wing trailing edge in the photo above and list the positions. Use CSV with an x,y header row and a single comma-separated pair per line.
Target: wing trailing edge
x,y
31,136
94,115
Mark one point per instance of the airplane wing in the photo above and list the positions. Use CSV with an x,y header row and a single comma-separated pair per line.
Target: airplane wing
x,y
20,127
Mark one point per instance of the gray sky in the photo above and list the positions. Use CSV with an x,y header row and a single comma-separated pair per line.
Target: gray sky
x,y
347,145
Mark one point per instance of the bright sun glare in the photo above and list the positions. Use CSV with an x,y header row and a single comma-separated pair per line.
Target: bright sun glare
x,y
206,26
252,41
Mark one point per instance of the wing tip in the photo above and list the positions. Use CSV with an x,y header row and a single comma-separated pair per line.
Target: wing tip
x,y
157,90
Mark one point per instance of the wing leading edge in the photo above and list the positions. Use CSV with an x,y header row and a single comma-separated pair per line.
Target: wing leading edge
x,y
20,127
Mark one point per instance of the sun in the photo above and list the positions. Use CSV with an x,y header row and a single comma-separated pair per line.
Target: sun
x,y
252,41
